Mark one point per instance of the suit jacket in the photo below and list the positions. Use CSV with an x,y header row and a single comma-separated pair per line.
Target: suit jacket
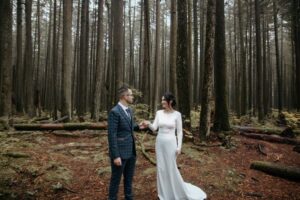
x,y
120,133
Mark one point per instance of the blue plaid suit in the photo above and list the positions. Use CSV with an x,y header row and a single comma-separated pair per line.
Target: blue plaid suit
x,y
121,144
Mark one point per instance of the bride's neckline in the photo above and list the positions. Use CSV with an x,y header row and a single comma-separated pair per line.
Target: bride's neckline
x,y
168,112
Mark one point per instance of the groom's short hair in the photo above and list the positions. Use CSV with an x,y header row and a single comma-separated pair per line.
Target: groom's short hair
x,y
122,91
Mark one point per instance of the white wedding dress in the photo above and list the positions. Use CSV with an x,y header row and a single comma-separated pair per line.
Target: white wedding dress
x,y
170,185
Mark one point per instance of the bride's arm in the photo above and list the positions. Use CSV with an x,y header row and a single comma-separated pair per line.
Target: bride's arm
x,y
179,132
154,125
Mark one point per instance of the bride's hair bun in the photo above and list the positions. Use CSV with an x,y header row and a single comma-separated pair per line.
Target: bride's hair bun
x,y
169,97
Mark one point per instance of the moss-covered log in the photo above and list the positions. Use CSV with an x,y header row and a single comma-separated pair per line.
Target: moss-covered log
x,y
272,138
264,130
287,172
62,126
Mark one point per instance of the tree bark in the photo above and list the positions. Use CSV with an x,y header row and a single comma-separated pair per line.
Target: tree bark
x,y
205,116
82,75
28,64
182,61
242,61
5,57
66,126
67,56
118,29
19,63
259,101
221,121
146,55
278,71
173,42
158,64
99,75
271,138
287,172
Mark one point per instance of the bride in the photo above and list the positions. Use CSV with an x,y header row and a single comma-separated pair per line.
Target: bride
x,y
170,185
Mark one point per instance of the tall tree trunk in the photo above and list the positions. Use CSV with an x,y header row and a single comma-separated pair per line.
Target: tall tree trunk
x,y
19,68
173,42
205,115
265,76
278,73
28,65
242,61
99,75
182,61
258,63
82,76
5,57
118,42
54,63
146,55
67,56
195,47
37,84
250,94
202,47
296,33
190,53
158,66
296,40
221,121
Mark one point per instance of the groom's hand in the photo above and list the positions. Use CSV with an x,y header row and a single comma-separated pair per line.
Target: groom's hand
x,y
118,161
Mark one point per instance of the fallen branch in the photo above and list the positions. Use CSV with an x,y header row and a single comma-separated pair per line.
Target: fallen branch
x,y
271,138
146,155
62,119
260,148
253,194
262,130
62,126
287,172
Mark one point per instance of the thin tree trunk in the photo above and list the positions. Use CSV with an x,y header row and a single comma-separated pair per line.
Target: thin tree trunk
x,y
146,55
258,63
242,61
20,67
278,73
195,53
173,42
158,67
54,63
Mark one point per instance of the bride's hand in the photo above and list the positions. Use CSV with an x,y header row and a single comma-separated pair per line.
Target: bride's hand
x,y
178,151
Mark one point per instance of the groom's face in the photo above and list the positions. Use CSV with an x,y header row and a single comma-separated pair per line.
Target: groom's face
x,y
128,96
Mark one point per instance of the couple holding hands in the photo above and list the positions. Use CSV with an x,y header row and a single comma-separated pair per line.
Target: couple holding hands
x,y
122,151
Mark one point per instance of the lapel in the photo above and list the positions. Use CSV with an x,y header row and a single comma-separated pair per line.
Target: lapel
x,y
125,116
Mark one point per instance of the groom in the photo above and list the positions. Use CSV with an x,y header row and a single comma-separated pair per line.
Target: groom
x,y
121,141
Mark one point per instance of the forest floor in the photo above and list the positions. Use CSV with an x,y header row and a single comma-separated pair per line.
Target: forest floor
x,y
47,166
75,165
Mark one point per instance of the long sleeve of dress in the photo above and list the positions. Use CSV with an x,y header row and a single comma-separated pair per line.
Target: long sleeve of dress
x,y
154,125
179,131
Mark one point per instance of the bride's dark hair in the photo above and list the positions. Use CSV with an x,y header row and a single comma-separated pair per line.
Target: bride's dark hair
x,y
169,97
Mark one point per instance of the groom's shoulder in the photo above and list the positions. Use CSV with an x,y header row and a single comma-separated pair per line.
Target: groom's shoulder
x,y
114,109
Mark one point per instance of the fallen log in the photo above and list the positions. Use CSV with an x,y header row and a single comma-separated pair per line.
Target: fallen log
x,y
263,130
271,138
62,126
287,172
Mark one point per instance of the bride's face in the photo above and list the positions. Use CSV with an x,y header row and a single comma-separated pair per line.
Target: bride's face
x,y
164,103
